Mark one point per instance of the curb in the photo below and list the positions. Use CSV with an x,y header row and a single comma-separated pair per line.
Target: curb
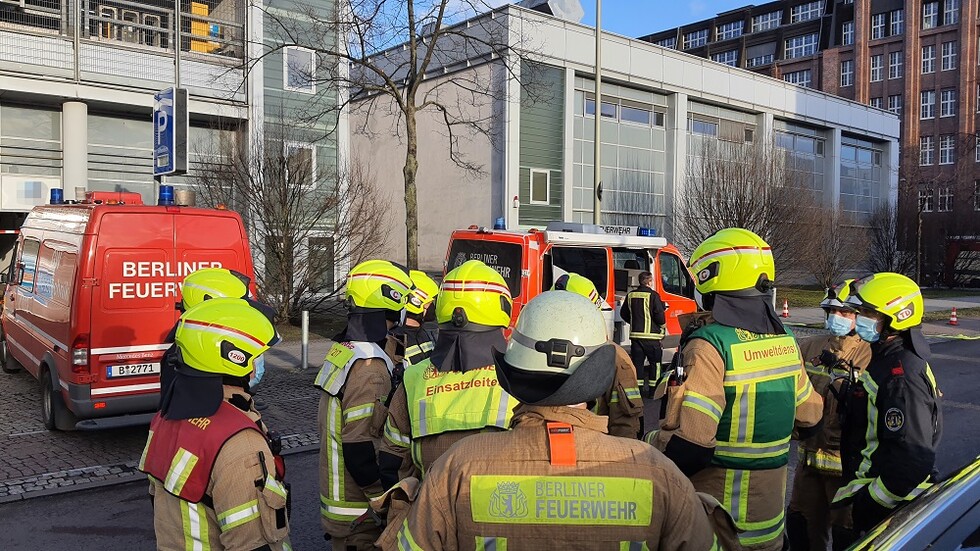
x,y
88,477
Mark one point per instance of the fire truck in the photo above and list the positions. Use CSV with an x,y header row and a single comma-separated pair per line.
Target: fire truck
x,y
531,261
91,296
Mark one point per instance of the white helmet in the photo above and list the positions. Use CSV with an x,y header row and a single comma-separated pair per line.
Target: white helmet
x,y
558,354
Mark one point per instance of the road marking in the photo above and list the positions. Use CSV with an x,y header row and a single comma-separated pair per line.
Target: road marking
x,y
28,433
961,405
951,357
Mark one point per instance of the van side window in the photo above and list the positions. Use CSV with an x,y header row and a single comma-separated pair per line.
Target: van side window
x,y
627,264
674,276
55,271
28,258
592,263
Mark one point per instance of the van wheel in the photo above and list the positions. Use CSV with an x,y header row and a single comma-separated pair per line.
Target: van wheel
x,y
54,413
7,362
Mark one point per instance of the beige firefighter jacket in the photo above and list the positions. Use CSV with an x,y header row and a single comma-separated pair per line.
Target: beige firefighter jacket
x,y
501,490
622,403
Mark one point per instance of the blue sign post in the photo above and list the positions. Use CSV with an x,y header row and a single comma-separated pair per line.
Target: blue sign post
x,y
170,122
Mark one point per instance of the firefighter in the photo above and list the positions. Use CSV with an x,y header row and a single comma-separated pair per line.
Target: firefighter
x,y
355,381
738,388
198,286
216,479
644,311
454,393
417,341
622,403
556,480
830,361
893,416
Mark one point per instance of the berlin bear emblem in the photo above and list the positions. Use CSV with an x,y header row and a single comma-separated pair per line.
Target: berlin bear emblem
x,y
508,501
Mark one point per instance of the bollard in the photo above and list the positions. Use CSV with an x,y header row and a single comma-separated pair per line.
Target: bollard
x,y
305,346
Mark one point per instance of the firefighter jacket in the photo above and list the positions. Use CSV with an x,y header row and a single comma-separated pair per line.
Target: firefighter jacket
x,y
418,346
355,381
622,403
729,420
433,410
891,431
215,482
644,311
555,481
822,451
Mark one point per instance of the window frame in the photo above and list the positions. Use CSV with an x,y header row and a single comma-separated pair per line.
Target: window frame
x,y
949,60
947,149
700,41
927,109
925,200
547,186
734,55
847,33
951,12
945,203
896,22
311,89
878,26
286,146
806,12
723,33
947,102
808,83
927,150
846,73
896,69
897,107
760,61
807,47
876,102
930,15
877,66
928,59
767,21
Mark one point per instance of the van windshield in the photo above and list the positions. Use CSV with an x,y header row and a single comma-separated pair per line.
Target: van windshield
x,y
503,257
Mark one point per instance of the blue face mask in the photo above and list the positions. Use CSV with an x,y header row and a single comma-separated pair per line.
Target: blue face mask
x,y
259,365
867,329
838,325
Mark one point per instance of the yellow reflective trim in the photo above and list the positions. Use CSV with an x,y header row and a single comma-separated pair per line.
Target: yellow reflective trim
x,y
274,486
803,394
491,544
750,421
238,516
146,448
614,397
195,524
180,470
698,407
405,540
395,437
356,413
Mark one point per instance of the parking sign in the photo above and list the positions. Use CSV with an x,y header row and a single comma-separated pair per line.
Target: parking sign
x,y
170,121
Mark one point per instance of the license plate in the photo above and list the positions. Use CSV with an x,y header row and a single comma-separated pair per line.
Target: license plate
x,y
130,370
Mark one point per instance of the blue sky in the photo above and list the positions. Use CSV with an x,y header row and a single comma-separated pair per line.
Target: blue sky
x,y
636,18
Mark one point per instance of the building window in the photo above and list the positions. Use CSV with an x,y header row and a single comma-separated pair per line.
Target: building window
x,y
847,33
847,72
540,187
896,64
800,78
947,149
927,150
704,128
925,200
895,104
320,255
298,69
695,39
875,102
928,59
806,12
945,199
951,12
729,30
635,115
930,15
727,58
767,21
976,195
947,102
801,46
877,26
897,22
300,161
949,55
876,67
928,105
668,43
760,60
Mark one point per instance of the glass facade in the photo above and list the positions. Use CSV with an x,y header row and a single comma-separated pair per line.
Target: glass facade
x,y
860,177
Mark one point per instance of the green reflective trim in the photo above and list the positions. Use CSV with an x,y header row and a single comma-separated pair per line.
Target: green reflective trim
x,y
614,398
405,540
274,486
180,470
804,393
357,413
761,532
395,437
702,403
333,451
633,393
633,546
232,518
195,524
343,511
146,448
491,544
557,500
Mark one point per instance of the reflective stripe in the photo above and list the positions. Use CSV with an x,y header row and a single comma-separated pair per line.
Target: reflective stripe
x,y
736,493
396,437
804,393
274,486
357,413
633,546
195,531
344,511
335,477
405,540
821,460
702,403
760,375
753,449
504,408
238,516
761,532
882,495
423,419
871,431
651,437
633,393
614,397
146,448
491,544
180,470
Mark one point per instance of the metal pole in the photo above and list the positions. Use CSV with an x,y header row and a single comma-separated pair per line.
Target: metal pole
x,y
918,249
305,346
177,44
597,174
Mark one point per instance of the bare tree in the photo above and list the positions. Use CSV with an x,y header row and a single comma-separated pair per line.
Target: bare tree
x,y
836,244
884,254
307,221
387,54
745,185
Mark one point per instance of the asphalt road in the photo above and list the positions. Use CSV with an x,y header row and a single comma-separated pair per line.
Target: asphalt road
x,y
120,517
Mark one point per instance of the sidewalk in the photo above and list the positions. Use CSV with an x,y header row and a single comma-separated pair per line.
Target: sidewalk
x,y
968,327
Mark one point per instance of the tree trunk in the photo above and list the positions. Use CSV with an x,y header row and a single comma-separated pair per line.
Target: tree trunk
x,y
409,171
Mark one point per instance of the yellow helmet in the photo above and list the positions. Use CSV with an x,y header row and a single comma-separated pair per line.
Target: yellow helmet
x,y
378,285
424,292
580,285
895,296
732,259
835,297
223,336
474,293
208,283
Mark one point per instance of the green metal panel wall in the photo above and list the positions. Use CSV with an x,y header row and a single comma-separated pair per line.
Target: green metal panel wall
x,y
542,141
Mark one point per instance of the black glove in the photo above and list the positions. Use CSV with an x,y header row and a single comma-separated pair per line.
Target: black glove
x,y
828,358
867,512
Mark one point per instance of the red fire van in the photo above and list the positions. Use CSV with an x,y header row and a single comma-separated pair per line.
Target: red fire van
x,y
92,294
